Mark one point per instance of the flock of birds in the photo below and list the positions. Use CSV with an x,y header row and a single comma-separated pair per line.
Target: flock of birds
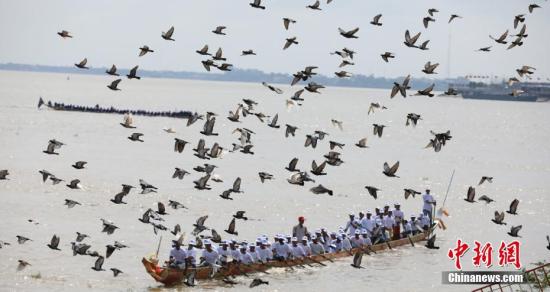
x,y
346,54
499,216
244,144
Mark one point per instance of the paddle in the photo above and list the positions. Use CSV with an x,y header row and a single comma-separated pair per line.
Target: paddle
x,y
410,240
370,248
432,220
225,270
255,269
326,258
303,261
300,265
265,264
315,261
158,248
236,265
442,209
288,265
365,250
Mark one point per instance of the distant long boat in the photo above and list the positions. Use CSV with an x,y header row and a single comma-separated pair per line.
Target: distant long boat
x,y
112,110
173,276
524,91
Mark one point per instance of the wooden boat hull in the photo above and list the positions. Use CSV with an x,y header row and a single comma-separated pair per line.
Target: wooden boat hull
x,y
172,276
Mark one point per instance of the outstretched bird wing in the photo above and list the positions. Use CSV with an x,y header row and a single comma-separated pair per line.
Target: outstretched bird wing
x,y
99,263
293,163
133,72
231,227
394,168
514,206
170,32
201,220
471,194
237,185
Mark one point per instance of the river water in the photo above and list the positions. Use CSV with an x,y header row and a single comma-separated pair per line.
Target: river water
x,y
506,140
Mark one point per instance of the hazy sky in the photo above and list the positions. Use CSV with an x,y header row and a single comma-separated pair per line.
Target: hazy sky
x,y
110,32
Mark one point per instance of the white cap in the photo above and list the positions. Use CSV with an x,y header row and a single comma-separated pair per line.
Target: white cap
x,y
294,239
304,238
357,231
207,241
192,242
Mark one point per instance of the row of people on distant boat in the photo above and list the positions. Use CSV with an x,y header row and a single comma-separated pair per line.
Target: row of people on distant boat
x,y
360,232
98,109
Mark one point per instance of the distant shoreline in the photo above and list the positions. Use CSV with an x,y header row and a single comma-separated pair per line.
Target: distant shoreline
x,y
243,75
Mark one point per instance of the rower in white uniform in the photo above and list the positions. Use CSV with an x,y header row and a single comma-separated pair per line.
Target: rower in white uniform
x,y
366,238
281,251
191,253
388,223
224,252
296,250
177,256
357,240
315,246
346,244
407,229
265,254
352,224
253,253
234,248
305,246
209,256
429,203
398,217
244,256
368,222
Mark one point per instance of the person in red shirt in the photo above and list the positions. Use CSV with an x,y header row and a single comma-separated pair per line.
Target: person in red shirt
x,y
299,231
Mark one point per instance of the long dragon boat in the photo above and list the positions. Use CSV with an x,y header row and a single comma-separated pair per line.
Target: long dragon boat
x,y
58,106
173,276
